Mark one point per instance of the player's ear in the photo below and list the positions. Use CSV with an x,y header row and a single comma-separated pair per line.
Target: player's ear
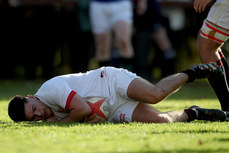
x,y
31,96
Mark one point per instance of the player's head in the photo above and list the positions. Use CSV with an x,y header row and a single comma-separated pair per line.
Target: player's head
x,y
28,109
16,108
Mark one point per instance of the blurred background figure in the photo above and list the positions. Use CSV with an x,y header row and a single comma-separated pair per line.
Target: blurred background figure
x,y
55,37
149,26
76,37
112,27
85,42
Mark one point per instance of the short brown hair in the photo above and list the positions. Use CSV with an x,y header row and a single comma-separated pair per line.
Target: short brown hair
x,y
16,108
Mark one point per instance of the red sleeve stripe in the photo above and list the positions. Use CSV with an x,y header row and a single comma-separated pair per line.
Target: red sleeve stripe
x,y
70,96
213,38
214,29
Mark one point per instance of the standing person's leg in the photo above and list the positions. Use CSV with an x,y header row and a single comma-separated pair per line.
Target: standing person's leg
x,y
103,43
209,51
122,24
100,24
123,34
213,33
123,42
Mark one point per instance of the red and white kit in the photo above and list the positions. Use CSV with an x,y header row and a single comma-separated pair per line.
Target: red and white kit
x,y
108,82
219,15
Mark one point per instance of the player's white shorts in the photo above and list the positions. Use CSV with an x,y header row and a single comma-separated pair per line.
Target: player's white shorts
x,y
104,15
121,106
219,13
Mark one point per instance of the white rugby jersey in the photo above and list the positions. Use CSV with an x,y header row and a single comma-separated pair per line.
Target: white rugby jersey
x,y
58,92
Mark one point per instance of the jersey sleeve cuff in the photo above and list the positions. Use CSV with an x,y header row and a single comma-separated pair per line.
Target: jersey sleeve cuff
x,y
70,96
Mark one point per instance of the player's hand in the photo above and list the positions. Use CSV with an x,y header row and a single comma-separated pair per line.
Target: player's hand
x,y
92,119
51,119
200,5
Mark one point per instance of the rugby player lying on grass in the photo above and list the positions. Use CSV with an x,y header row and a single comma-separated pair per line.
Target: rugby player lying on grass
x,y
63,98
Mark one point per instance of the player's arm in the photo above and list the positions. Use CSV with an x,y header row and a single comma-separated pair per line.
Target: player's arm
x,y
200,5
78,110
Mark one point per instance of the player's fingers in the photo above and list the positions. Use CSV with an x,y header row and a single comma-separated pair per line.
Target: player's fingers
x,y
196,5
201,6
89,118
51,119
94,120
204,5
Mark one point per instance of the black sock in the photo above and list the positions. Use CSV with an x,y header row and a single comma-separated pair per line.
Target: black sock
x,y
191,75
219,85
191,114
225,64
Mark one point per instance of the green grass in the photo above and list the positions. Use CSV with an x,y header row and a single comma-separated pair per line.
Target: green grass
x,y
39,137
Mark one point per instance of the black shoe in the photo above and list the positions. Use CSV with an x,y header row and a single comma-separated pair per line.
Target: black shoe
x,y
227,118
206,70
196,112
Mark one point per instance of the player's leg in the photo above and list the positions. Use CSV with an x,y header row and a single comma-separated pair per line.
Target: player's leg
x,y
123,38
101,30
145,113
220,83
213,33
103,43
122,23
142,90
209,50
123,42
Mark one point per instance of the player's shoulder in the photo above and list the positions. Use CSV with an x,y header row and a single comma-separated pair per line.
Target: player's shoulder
x,y
104,70
52,83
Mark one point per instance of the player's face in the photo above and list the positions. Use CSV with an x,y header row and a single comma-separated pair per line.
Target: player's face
x,y
35,110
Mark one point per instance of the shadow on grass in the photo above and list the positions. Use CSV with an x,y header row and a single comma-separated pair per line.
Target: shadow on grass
x,y
17,125
191,131
223,139
183,151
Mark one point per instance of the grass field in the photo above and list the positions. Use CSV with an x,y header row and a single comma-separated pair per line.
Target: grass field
x,y
39,137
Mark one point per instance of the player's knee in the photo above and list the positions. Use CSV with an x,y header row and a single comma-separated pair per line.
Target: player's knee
x,y
158,95
155,97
